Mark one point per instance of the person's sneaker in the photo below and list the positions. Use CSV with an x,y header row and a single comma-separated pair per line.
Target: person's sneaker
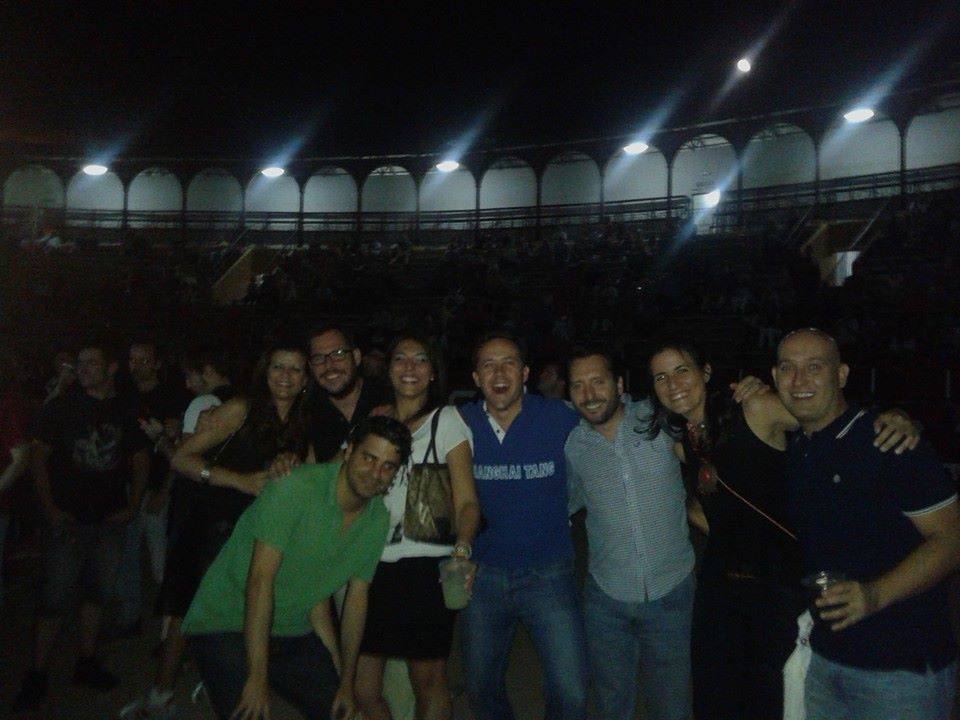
x,y
32,691
91,673
154,705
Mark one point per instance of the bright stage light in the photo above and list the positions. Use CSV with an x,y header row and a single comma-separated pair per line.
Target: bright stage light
x,y
743,65
712,198
635,148
447,165
858,115
273,172
95,169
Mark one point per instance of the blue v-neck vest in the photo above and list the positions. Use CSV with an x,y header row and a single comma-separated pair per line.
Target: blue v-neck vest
x,y
522,484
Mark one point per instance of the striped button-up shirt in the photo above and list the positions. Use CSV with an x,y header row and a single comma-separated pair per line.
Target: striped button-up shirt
x,y
636,507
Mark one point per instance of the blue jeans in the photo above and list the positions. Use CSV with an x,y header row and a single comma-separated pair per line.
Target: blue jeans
x,y
544,599
840,692
152,529
653,635
300,670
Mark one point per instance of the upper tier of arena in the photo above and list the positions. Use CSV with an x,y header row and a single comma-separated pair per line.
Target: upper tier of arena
x,y
774,160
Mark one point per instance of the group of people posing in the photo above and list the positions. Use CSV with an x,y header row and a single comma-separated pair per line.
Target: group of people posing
x,y
302,556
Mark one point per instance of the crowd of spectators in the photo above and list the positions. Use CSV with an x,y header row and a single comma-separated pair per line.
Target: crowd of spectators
x,y
620,280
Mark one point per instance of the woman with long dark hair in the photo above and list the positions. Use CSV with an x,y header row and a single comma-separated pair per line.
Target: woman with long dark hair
x,y
406,617
230,456
748,590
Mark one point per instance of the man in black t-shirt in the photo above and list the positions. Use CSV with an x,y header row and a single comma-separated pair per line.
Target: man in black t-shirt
x,y
341,396
90,462
158,409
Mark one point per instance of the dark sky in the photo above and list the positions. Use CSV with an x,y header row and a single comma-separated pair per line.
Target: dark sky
x,y
199,78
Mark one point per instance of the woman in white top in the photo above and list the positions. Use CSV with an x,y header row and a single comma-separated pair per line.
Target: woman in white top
x,y
406,617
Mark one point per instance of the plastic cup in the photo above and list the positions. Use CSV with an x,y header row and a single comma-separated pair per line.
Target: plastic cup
x,y
453,578
814,585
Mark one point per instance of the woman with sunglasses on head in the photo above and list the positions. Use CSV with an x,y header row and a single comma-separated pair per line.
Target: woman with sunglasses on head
x,y
748,592
406,616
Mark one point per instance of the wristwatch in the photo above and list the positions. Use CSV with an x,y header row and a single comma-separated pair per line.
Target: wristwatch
x,y
462,550
205,475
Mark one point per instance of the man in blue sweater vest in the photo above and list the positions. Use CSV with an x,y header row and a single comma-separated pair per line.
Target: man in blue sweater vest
x,y
525,554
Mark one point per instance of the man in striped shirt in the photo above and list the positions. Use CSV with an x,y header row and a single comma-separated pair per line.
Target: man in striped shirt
x,y
639,596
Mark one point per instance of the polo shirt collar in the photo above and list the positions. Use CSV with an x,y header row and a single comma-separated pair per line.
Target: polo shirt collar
x,y
842,425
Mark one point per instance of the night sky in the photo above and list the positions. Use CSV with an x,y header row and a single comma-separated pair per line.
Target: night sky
x,y
198,78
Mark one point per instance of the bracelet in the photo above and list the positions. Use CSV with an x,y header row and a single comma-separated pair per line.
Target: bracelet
x,y
463,550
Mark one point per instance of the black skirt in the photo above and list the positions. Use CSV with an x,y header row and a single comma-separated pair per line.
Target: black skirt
x,y
406,617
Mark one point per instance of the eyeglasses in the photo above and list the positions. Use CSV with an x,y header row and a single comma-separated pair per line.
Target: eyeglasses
x,y
337,355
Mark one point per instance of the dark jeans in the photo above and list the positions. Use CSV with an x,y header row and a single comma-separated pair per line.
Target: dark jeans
x,y
79,561
743,633
300,670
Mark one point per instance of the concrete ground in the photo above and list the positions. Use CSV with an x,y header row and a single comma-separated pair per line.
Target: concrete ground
x,y
131,660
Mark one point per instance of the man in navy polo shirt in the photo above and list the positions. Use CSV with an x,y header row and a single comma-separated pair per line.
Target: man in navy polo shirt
x,y
882,643
525,554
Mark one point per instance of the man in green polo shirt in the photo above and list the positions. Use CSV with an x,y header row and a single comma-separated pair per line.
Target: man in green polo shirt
x,y
261,617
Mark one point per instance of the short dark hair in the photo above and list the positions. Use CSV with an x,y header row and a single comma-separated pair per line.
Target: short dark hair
x,y
324,329
584,351
222,362
391,430
106,348
144,342
501,334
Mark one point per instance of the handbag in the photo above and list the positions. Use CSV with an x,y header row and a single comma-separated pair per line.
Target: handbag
x,y
429,514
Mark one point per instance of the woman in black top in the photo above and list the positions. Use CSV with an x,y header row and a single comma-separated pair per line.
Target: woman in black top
x,y
748,591
230,456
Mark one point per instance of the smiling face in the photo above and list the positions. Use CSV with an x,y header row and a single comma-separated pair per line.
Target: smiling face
x,y
370,466
594,390
410,369
286,374
334,363
810,378
680,383
500,374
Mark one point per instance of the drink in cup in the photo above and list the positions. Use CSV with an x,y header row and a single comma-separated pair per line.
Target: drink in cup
x,y
453,576
815,584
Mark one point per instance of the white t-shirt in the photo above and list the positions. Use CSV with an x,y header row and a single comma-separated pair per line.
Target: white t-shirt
x,y
197,406
451,432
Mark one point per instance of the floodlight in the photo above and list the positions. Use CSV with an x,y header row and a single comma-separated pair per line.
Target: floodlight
x,y
743,65
272,172
95,169
635,148
447,166
858,115
712,198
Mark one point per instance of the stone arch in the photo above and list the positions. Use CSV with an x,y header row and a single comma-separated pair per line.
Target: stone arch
x,y
508,182
33,186
635,177
389,188
779,154
154,190
934,139
570,178
867,148
703,164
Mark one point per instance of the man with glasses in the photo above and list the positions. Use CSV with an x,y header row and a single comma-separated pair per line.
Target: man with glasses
x,y
341,397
